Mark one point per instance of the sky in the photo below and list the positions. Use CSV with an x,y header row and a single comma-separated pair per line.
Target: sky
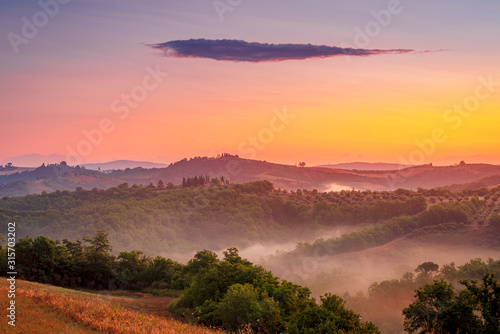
x,y
282,81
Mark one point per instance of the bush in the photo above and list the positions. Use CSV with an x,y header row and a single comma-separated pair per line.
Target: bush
x,y
243,305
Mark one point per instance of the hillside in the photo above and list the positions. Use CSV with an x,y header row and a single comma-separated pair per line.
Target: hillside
x,y
45,309
489,182
157,219
49,178
123,164
440,176
374,166
238,170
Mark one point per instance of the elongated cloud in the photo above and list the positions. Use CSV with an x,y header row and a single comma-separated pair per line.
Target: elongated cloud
x,y
236,50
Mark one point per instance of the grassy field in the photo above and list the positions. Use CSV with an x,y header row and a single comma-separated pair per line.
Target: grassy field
x,y
47,309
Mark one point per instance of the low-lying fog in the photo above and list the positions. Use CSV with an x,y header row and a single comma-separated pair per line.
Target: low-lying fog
x,y
354,272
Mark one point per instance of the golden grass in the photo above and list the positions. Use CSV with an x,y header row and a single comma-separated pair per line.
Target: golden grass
x,y
46,309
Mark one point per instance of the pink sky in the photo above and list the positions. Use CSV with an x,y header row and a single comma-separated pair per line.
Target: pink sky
x,y
64,81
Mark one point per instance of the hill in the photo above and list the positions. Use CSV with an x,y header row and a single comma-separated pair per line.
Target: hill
x,y
176,219
165,219
427,176
33,160
45,309
489,181
367,166
123,164
49,178
238,170
13,170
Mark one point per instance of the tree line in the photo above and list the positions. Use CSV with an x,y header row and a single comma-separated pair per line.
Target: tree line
x,y
388,230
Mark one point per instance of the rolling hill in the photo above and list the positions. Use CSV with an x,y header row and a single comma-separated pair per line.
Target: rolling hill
x,y
239,170
367,166
123,164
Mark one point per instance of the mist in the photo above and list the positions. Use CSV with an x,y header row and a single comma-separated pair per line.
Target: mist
x,y
350,275
336,187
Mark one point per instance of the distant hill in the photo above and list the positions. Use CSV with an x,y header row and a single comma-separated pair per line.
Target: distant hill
x,y
239,170
49,178
33,160
427,176
488,182
123,164
367,166
13,170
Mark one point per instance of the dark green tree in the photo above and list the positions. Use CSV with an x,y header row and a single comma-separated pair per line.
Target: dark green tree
x,y
427,268
439,309
98,271
487,298
244,306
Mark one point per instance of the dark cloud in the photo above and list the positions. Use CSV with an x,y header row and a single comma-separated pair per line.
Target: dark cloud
x,y
236,50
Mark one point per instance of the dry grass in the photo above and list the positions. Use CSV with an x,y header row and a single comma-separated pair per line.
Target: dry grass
x,y
46,309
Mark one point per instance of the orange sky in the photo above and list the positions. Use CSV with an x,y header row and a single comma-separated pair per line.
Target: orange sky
x,y
375,108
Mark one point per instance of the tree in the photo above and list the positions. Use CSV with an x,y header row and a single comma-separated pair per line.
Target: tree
x,y
243,305
44,265
449,272
100,243
25,256
439,309
427,268
330,317
3,253
302,164
487,298
232,256
99,266
494,222
202,260
131,265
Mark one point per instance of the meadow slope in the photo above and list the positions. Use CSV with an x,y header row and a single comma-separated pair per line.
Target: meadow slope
x,y
47,309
